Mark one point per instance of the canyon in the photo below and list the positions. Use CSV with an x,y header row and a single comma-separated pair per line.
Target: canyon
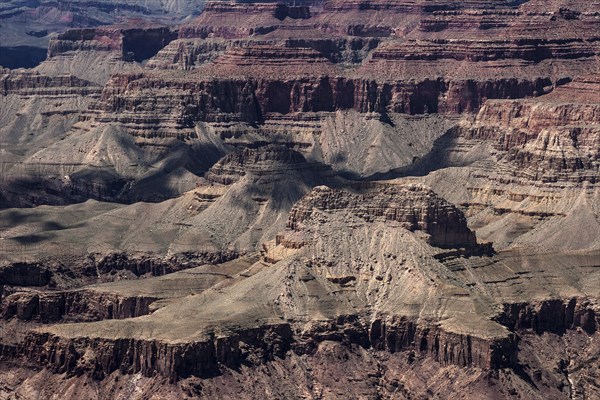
x,y
315,199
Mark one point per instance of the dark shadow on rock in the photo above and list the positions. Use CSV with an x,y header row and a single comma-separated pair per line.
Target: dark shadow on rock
x,y
31,239
104,184
52,226
22,56
13,218
437,158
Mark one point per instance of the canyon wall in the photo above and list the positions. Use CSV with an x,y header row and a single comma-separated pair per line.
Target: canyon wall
x,y
75,306
206,358
126,98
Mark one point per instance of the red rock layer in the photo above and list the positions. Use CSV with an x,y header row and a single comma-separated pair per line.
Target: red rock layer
x,y
534,50
555,137
27,83
145,102
134,44
222,19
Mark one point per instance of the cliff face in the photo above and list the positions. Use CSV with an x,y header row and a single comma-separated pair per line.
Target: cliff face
x,y
533,50
24,274
219,19
267,40
28,27
72,306
207,359
553,316
255,347
133,44
556,137
29,83
444,347
126,98
188,54
152,358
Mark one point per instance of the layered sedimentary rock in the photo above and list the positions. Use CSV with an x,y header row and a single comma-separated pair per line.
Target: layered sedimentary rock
x,y
416,208
438,88
191,53
358,288
278,159
152,358
482,50
326,297
551,316
186,100
222,19
29,26
73,306
36,110
527,162
134,44
97,53
266,344
335,59
227,349
28,83
555,138
259,186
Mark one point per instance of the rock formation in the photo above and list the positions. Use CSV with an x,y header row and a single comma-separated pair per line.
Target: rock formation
x,y
415,208
310,199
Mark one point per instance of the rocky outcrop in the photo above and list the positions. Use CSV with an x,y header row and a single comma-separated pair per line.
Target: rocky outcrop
x,y
209,357
415,207
85,40
29,83
202,358
25,274
258,161
417,5
74,306
554,138
117,348
270,55
154,266
395,334
220,18
30,25
60,270
556,316
518,18
130,99
191,53
187,53
133,44
534,50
